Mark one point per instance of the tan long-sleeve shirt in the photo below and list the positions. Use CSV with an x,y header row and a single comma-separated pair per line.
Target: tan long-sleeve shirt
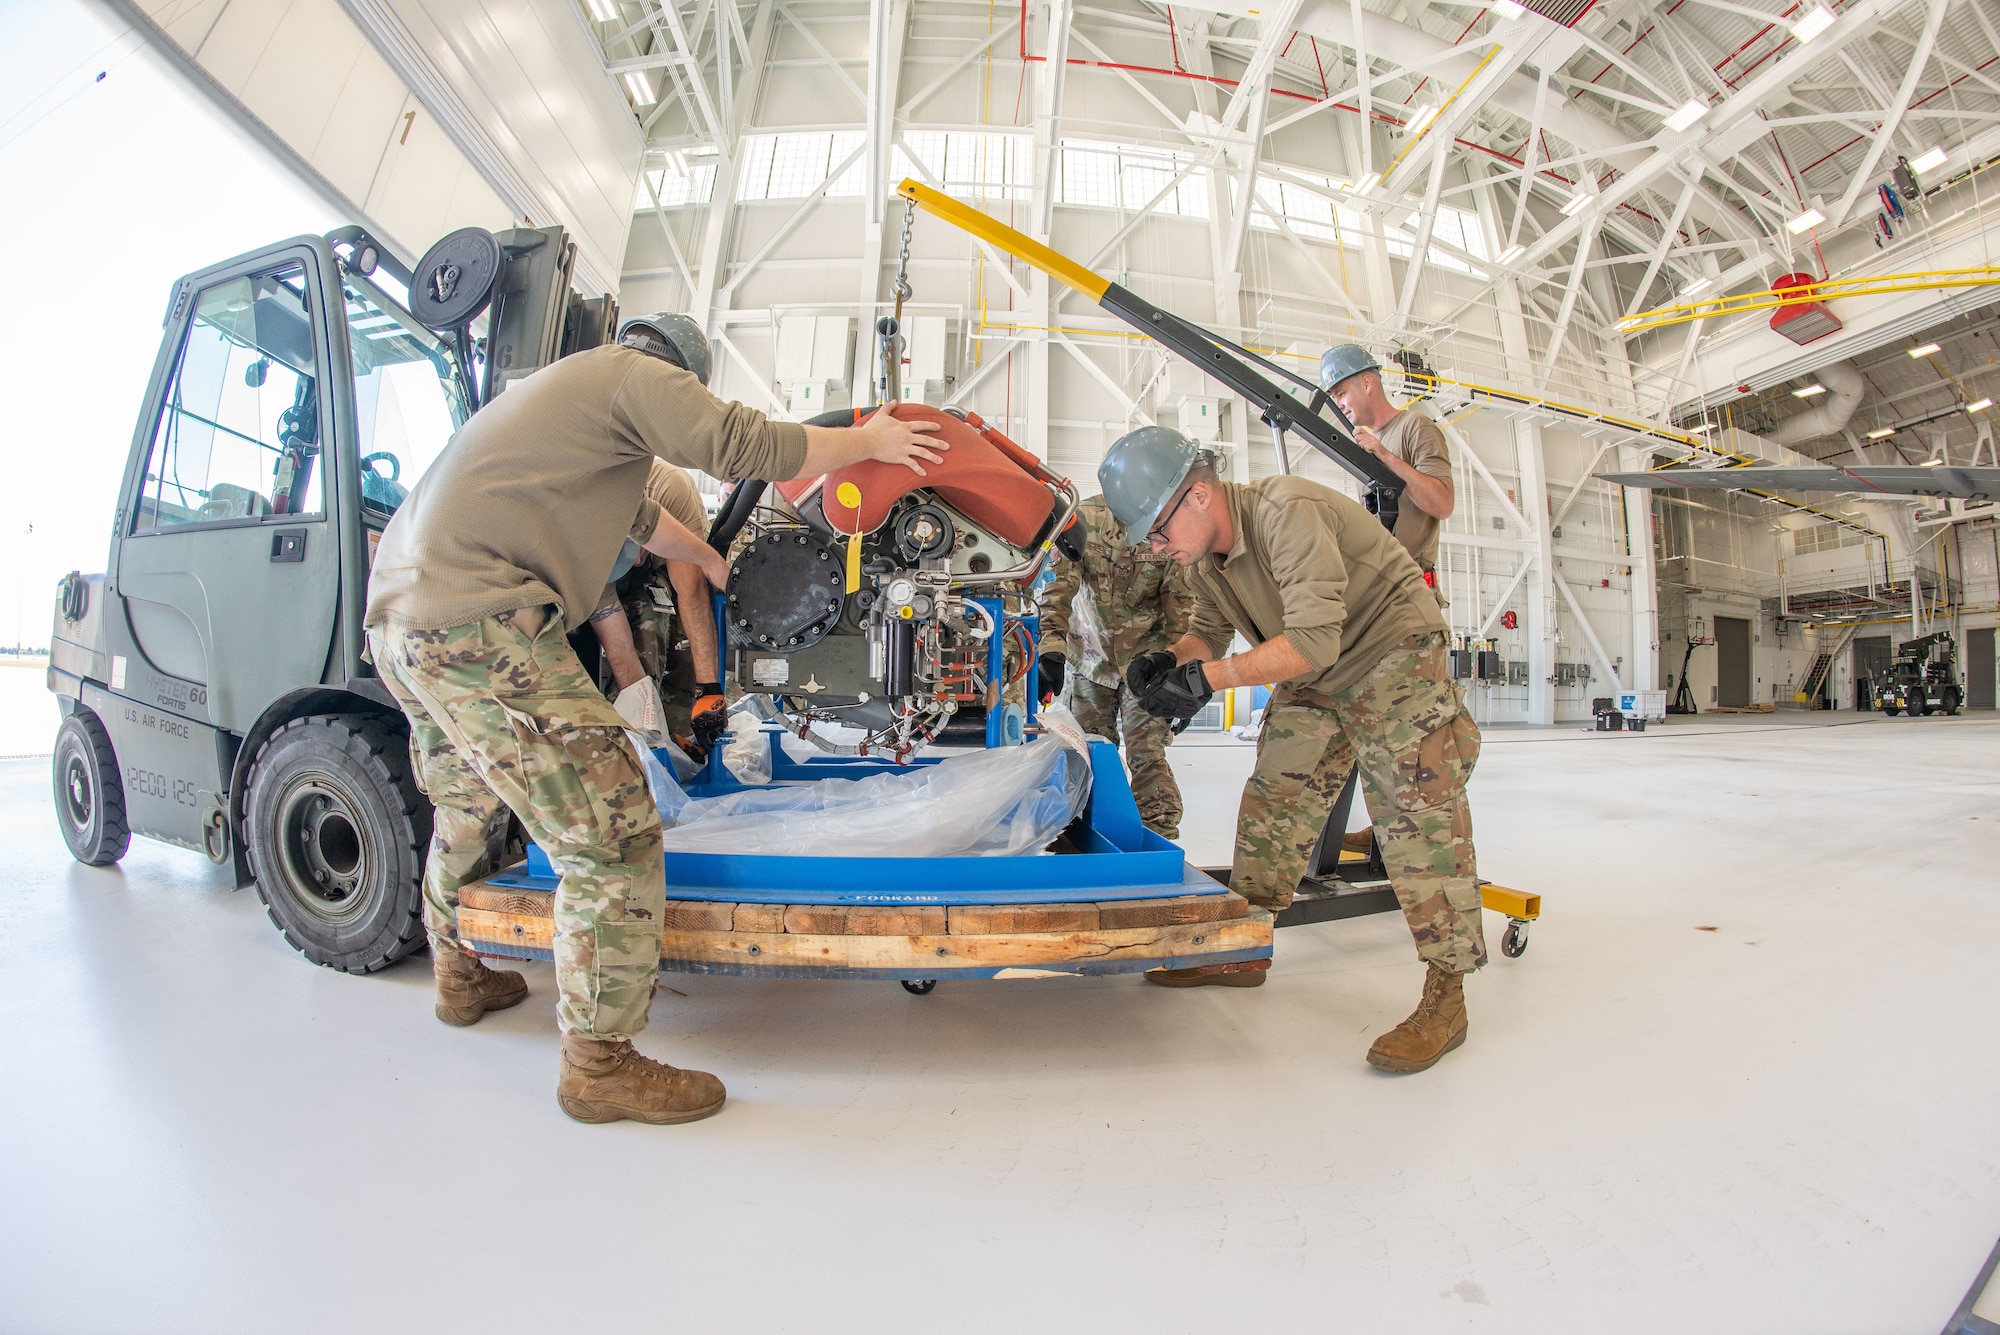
x,y
1313,566
1418,442
530,503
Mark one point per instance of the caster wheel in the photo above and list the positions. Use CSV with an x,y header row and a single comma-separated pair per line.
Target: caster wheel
x,y
919,987
1515,941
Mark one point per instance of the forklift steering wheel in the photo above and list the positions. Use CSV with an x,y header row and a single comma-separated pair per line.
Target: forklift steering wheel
x,y
395,465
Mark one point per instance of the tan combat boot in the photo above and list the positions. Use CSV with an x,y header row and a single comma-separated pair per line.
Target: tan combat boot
x,y
1433,1029
604,1080
467,989
1358,841
1247,973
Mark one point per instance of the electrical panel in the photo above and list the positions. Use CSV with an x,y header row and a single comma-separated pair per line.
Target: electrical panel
x,y
1491,666
1200,418
1461,664
1517,673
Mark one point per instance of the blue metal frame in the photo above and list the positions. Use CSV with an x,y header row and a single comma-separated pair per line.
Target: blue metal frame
x,y
1118,857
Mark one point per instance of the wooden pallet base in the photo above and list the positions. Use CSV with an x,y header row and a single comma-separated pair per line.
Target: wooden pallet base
x,y
820,941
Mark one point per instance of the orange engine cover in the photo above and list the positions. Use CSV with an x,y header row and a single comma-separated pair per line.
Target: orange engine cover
x,y
984,476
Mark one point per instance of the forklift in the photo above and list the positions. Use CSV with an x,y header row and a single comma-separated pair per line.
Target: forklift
x,y
1923,678
211,682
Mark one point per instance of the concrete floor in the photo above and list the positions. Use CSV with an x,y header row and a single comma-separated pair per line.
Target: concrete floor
x,y
1785,1123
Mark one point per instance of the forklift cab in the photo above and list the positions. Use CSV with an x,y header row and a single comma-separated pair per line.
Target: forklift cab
x,y
293,404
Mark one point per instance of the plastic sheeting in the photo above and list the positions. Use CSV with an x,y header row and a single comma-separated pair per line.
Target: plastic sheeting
x,y
1006,801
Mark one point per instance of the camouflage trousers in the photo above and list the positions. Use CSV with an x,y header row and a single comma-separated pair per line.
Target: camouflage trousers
x,y
503,717
1105,711
1406,727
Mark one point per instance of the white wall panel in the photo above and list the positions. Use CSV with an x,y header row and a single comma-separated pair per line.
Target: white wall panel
x,y
308,80
531,83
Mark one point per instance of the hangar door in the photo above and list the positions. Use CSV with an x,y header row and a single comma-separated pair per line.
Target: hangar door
x,y
1732,662
1979,666
1871,660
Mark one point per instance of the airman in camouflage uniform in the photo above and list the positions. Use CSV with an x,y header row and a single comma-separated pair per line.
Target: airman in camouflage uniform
x,y
503,716
1101,613
1338,612
504,544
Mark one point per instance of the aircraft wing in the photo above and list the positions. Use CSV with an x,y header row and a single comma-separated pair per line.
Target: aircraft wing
x,y
1969,484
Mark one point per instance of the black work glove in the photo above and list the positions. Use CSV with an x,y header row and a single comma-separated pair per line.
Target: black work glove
x,y
711,714
1178,696
1051,667
1145,670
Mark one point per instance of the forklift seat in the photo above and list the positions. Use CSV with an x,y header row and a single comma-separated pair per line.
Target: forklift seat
x,y
226,500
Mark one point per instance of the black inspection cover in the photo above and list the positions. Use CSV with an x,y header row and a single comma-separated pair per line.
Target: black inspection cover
x,y
454,280
786,591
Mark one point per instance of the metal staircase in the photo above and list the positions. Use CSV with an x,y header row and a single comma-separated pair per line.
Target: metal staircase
x,y
1822,664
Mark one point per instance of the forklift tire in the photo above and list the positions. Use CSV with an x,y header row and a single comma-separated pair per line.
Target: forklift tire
x,y
1952,701
1891,710
1920,707
336,830
90,794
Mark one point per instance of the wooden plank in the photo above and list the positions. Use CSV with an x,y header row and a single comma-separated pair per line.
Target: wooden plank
x,y
936,955
759,918
868,920
1161,912
821,919
499,899
697,915
940,956
477,926
989,919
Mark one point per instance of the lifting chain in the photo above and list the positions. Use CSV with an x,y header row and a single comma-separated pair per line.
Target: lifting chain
x,y
903,289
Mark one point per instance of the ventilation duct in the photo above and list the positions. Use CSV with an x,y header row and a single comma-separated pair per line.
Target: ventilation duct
x,y
1844,388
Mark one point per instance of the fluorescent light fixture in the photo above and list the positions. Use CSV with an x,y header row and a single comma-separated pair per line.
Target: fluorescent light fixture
x,y
1512,253
1696,286
677,164
1808,391
1930,161
1577,204
1367,183
1922,350
635,84
604,11
1881,433
1700,428
1689,113
1805,222
1978,405
1507,9
1931,463
1415,125
1812,23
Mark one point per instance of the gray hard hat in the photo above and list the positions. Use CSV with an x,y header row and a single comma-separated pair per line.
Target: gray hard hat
x,y
1141,474
1349,359
671,335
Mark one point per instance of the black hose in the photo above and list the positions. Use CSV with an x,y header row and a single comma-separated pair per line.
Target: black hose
x,y
735,514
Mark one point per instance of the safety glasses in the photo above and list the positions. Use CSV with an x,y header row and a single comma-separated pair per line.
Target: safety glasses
x,y
1158,533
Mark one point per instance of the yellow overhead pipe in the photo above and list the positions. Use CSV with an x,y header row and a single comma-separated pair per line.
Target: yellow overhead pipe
x,y
1828,290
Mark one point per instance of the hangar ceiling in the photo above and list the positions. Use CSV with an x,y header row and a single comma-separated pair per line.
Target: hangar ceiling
x,y
1638,155
1502,188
